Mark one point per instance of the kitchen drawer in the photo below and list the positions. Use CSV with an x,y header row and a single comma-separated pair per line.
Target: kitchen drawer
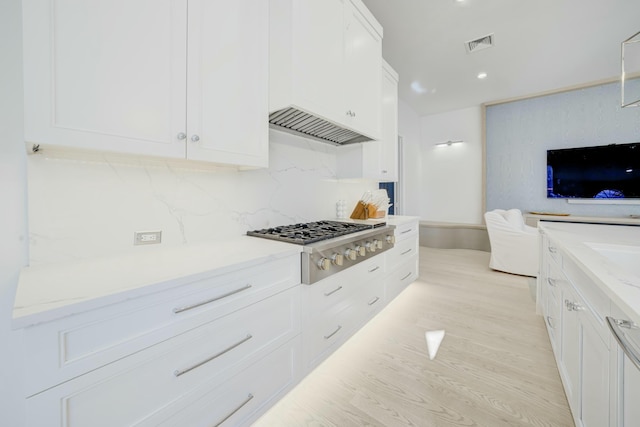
x,y
402,251
325,334
130,390
400,278
336,292
370,300
554,252
406,230
239,401
63,349
554,281
553,320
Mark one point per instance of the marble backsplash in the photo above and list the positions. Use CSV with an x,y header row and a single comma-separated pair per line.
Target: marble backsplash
x,y
90,204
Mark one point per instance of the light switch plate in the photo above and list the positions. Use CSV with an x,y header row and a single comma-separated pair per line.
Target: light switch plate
x,y
147,237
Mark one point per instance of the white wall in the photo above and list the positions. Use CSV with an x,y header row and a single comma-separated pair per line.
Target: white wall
x,y
411,173
451,186
90,205
13,216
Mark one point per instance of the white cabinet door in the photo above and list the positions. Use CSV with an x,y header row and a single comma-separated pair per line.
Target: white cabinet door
x,y
106,75
363,71
389,144
570,354
170,78
594,378
630,410
227,84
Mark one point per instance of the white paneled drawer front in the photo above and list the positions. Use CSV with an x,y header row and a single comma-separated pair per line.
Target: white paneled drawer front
x,y
60,350
401,277
370,298
135,388
406,230
326,333
402,251
336,292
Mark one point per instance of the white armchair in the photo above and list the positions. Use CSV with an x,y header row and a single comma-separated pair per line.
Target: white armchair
x,y
514,245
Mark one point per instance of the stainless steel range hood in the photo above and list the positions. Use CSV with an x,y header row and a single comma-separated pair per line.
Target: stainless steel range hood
x,y
301,123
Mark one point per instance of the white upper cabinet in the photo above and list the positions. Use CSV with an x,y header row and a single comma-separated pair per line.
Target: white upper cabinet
x,y
363,62
325,59
376,160
147,76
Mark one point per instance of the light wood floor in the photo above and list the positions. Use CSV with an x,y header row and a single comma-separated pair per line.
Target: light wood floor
x,y
494,367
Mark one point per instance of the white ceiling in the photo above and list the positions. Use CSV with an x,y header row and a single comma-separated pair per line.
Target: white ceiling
x,y
540,45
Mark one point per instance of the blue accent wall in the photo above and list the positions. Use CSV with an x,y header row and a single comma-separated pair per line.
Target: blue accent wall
x,y
519,133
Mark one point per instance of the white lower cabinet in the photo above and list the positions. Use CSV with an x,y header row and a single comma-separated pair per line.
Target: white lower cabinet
x,y
231,342
336,307
625,377
575,310
402,261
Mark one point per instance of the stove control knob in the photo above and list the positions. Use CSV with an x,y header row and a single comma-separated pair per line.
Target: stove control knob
x,y
351,254
377,243
337,259
371,247
324,264
361,250
391,239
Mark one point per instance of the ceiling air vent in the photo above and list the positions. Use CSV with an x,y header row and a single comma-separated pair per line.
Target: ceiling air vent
x,y
480,43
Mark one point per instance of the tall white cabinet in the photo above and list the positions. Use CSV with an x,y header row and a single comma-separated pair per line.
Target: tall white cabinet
x,y
172,78
376,160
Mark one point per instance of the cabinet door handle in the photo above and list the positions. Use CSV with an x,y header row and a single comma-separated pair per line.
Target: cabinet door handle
x,y
179,372
181,136
377,267
234,411
406,231
375,300
552,249
384,171
189,307
551,281
326,337
630,350
333,291
407,251
407,275
195,138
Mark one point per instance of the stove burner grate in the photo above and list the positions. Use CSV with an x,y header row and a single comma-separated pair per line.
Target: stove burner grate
x,y
305,233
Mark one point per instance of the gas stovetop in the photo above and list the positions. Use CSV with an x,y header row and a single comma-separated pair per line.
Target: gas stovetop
x,y
330,247
311,232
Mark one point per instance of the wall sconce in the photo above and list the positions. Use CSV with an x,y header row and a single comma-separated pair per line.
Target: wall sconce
x,y
448,143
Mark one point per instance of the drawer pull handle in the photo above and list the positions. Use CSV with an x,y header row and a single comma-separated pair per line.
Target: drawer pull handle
x,y
407,275
551,282
377,267
407,251
178,372
326,337
375,300
615,325
406,231
228,294
549,322
235,410
333,291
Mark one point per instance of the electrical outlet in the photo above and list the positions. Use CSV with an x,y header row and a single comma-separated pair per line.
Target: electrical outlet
x,y
147,237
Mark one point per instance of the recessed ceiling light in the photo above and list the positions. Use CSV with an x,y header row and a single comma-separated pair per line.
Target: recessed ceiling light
x,y
418,88
482,75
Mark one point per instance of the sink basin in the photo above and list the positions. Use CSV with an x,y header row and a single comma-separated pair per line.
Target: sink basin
x,y
626,257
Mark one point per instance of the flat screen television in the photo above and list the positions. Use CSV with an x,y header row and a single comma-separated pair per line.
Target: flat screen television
x,y
600,172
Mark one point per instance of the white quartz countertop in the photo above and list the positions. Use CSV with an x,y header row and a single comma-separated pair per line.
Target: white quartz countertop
x,y
49,292
616,279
